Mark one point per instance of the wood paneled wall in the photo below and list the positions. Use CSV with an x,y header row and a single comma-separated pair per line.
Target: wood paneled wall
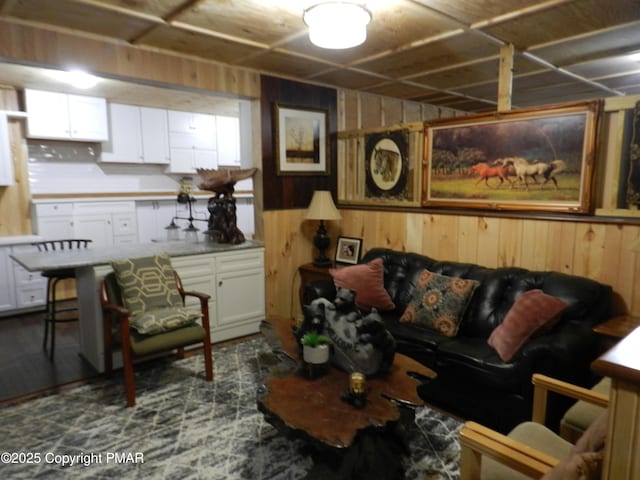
x,y
594,250
55,48
15,208
598,250
294,191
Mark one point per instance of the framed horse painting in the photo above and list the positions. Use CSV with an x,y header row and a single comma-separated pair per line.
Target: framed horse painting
x,y
539,159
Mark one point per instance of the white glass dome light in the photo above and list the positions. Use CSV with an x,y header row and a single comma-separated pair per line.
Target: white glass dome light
x,y
337,24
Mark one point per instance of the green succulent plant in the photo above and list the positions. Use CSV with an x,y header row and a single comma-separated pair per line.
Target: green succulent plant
x,y
314,339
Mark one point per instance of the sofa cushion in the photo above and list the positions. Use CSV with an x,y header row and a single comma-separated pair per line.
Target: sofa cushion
x,y
439,302
367,281
533,311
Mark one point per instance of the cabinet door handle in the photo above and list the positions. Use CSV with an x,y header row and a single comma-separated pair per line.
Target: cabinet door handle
x,y
220,283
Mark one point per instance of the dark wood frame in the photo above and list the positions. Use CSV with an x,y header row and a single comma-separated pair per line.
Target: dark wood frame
x,y
341,243
319,152
496,126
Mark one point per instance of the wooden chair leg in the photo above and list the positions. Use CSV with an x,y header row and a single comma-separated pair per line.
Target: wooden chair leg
x,y
127,363
208,361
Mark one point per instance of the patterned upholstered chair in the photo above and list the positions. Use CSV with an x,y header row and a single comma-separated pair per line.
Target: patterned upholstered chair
x,y
143,304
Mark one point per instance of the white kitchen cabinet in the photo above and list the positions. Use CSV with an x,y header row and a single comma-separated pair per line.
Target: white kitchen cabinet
x,y
235,281
30,287
138,135
104,223
228,140
61,116
239,289
7,290
155,135
20,290
153,216
6,162
192,141
53,221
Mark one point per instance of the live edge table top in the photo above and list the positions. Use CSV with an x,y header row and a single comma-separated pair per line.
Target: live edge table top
x,y
314,407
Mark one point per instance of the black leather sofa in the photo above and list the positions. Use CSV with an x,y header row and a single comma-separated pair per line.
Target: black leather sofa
x,y
473,382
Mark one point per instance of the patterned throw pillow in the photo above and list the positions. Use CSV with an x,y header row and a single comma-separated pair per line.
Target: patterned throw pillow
x,y
439,302
147,285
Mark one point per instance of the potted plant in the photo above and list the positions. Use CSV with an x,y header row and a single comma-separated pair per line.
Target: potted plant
x,y
315,348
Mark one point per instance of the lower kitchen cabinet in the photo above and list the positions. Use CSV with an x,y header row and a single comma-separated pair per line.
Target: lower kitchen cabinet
x,y
20,290
235,281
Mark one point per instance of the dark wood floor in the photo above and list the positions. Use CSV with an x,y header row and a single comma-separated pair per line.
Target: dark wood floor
x,y
25,368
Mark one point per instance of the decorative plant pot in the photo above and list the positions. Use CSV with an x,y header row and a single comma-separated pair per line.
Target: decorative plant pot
x,y
315,361
315,355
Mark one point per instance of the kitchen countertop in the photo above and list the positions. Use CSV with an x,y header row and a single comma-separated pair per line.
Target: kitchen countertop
x,y
42,261
19,239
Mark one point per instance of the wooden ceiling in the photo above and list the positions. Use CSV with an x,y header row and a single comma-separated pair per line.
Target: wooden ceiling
x,y
442,52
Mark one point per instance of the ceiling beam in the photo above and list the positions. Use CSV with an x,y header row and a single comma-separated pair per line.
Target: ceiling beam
x,y
505,78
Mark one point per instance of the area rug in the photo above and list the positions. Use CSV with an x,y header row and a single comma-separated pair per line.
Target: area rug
x,y
184,428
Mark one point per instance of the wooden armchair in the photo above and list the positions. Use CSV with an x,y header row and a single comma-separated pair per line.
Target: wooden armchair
x,y
119,331
531,450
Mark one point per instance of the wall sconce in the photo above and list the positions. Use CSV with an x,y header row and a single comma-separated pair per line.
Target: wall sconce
x,y
337,24
322,208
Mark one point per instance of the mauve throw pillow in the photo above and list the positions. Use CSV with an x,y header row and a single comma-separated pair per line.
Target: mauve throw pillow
x,y
532,312
367,280
439,302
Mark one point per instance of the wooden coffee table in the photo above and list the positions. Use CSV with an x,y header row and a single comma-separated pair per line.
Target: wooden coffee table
x,y
313,409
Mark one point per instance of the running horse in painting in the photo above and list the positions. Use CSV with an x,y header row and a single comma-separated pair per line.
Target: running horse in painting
x,y
525,169
485,172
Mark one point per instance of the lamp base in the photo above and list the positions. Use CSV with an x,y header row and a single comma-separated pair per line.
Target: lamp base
x,y
322,262
322,241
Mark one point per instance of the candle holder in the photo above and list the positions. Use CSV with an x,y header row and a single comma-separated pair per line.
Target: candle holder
x,y
356,394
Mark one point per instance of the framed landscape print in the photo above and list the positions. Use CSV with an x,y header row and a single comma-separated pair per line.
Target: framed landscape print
x,y
536,159
301,141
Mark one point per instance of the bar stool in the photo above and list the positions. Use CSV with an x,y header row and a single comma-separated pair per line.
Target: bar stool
x,y
53,277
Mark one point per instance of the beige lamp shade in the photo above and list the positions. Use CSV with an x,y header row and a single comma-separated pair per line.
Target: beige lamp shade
x,y
322,207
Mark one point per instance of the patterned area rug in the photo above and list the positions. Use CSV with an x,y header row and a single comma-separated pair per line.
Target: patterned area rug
x,y
184,428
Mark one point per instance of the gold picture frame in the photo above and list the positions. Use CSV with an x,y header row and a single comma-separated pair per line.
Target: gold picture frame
x,y
530,160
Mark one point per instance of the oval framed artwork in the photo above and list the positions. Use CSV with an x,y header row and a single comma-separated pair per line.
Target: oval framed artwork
x,y
385,164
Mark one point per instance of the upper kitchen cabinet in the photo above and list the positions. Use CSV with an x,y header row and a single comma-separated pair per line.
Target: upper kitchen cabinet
x,y
228,135
138,135
192,141
61,116
6,162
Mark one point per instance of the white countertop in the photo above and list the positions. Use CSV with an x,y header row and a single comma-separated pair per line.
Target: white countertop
x,y
87,257
19,239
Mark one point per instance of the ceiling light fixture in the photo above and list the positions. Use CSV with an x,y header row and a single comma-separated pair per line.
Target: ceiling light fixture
x,y
337,24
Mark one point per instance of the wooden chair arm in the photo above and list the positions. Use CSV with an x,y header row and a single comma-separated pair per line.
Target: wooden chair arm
x,y
543,385
200,295
118,309
477,441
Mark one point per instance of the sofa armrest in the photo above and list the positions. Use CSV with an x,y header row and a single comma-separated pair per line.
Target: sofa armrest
x,y
318,289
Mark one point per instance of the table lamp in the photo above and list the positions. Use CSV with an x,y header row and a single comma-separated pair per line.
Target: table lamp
x,y
322,208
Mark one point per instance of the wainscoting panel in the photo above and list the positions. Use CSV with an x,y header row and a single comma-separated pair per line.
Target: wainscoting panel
x,y
594,250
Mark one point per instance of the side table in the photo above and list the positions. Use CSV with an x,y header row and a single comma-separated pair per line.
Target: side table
x,y
616,328
310,273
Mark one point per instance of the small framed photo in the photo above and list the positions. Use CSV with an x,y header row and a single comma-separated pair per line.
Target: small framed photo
x,y
348,250
301,140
